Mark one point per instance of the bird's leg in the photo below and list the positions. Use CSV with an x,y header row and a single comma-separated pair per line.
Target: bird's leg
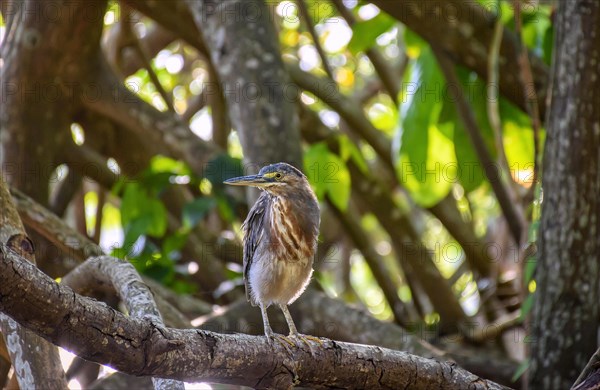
x,y
289,320
294,331
269,332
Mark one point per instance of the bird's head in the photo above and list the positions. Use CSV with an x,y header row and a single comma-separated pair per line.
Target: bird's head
x,y
277,179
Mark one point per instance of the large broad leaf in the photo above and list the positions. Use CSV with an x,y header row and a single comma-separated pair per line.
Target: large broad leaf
x,y
365,33
518,142
328,174
432,180
470,169
426,163
142,213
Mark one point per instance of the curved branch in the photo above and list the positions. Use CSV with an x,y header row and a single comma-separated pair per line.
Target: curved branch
x,y
131,289
79,247
97,332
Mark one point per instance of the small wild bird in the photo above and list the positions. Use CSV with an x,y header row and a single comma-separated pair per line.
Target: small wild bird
x,y
280,238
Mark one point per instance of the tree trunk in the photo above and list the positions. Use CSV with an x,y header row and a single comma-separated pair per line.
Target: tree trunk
x,y
241,39
566,309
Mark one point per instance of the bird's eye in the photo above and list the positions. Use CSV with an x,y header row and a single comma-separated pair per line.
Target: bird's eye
x,y
278,176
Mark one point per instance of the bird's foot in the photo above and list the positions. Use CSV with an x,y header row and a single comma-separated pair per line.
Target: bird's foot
x,y
306,340
284,341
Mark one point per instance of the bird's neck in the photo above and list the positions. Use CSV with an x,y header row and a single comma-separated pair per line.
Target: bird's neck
x,y
306,216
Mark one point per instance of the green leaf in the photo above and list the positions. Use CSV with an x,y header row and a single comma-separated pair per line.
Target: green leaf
x,y
414,43
348,150
194,211
426,163
339,185
530,266
328,175
524,366
167,164
225,207
526,306
364,33
432,180
471,173
173,243
148,213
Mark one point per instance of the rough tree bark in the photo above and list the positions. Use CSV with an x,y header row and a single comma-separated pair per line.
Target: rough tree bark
x,y
243,45
566,309
42,81
36,362
131,289
98,333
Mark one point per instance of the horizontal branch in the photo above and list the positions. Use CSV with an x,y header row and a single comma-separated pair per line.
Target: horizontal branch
x,y
98,333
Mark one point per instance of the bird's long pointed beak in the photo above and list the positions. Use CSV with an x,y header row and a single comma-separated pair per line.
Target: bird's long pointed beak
x,y
252,180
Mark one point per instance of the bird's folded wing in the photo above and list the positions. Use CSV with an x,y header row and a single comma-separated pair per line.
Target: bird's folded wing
x,y
253,226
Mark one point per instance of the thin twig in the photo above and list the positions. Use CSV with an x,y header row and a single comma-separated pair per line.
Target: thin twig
x,y
310,26
531,99
492,106
135,43
99,213
350,110
349,219
513,216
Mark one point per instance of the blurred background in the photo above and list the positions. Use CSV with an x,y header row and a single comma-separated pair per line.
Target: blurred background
x,y
418,125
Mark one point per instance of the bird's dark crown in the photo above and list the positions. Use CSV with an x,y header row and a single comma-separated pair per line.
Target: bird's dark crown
x,y
283,168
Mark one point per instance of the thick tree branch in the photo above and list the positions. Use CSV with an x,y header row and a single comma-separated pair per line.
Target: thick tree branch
x,y
247,59
79,248
566,308
35,361
323,316
98,333
175,17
